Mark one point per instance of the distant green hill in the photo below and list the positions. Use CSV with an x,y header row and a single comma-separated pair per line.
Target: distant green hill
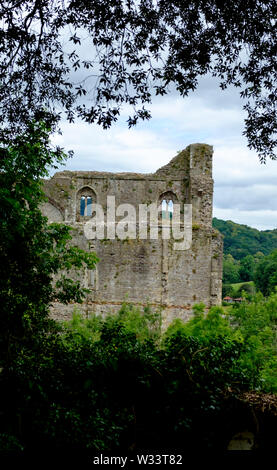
x,y
241,240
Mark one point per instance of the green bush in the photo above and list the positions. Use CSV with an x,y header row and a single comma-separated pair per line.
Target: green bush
x,y
145,324
115,384
205,327
251,324
257,322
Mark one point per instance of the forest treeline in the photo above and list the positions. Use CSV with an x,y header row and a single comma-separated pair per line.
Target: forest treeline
x,y
249,255
241,240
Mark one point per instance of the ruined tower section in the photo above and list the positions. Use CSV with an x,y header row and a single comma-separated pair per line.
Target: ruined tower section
x,y
201,198
144,271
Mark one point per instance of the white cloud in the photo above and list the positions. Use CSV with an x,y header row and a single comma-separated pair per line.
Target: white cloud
x,y
192,114
116,149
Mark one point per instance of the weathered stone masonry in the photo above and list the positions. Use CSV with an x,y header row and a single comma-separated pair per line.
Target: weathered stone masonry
x,y
145,271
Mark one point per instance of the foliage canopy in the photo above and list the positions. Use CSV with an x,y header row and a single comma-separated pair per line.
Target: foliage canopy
x,y
107,385
31,251
90,58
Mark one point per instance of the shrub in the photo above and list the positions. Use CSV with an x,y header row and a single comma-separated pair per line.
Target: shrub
x,y
144,324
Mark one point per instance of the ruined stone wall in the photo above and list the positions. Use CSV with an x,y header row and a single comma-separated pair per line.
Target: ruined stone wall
x,y
145,271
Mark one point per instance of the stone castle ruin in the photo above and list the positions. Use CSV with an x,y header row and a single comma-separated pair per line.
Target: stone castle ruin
x,y
144,271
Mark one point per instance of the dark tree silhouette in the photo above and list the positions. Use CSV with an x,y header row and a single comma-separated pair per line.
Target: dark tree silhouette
x,y
89,58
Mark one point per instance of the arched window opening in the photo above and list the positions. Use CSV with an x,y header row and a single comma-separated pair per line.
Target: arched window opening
x,y
167,201
167,209
86,198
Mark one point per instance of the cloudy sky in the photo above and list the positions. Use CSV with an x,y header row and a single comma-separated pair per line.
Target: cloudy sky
x,y
245,190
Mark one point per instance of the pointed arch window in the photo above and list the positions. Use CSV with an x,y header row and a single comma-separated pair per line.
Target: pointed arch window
x,y
86,198
167,209
167,201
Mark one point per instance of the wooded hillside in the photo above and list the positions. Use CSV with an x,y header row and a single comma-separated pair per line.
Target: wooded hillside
x,y
241,240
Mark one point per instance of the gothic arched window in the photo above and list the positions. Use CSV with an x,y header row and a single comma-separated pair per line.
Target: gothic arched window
x,y
85,200
166,205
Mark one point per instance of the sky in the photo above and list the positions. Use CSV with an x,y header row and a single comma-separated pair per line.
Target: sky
x,y
245,191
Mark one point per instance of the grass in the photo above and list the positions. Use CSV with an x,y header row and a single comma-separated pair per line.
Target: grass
x,y
227,308
238,284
